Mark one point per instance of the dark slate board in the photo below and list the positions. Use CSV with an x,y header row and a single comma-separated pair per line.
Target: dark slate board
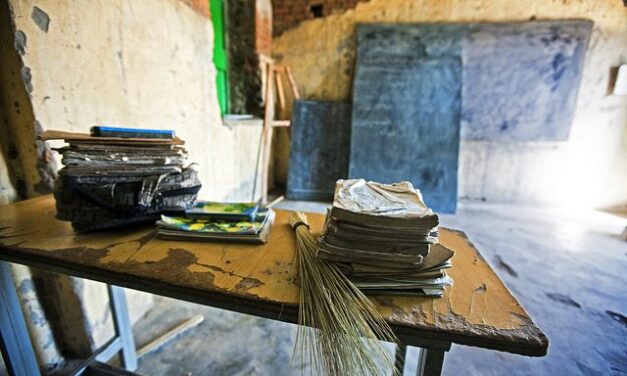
x,y
407,108
319,148
520,79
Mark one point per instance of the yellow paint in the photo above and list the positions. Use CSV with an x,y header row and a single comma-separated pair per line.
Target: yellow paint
x,y
260,271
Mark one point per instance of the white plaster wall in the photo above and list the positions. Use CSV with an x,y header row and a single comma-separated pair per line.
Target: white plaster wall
x,y
41,335
590,169
140,64
136,63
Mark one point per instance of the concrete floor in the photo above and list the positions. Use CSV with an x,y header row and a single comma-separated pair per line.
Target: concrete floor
x,y
566,268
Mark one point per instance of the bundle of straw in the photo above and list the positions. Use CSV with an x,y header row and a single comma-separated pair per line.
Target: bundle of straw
x,y
340,331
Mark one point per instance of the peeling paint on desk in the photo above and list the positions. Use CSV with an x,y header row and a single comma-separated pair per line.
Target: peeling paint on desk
x,y
478,305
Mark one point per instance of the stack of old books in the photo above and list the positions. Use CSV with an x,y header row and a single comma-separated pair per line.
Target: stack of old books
x,y
118,176
384,238
219,222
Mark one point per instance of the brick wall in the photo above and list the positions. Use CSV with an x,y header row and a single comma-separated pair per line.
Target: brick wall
x,y
249,34
200,6
289,13
263,26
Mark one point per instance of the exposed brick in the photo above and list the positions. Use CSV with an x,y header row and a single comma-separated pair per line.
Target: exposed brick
x,y
200,6
289,13
250,34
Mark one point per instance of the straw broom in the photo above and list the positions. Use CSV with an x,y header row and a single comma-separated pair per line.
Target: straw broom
x,y
340,331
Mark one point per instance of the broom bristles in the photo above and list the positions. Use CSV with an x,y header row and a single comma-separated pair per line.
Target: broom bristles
x,y
340,330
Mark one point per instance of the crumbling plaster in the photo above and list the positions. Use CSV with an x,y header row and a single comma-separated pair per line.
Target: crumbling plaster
x,y
143,64
587,170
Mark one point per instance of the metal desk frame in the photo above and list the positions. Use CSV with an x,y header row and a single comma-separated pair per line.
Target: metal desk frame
x,y
17,349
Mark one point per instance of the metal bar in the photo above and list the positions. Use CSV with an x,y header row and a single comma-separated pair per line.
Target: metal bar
x,y
166,337
420,340
17,350
399,363
275,201
430,362
103,369
103,354
122,325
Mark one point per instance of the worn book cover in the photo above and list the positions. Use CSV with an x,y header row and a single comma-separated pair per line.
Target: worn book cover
x,y
247,231
222,226
352,231
233,211
372,203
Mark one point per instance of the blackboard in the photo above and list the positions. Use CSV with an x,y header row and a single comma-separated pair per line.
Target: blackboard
x,y
520,79
407,108
319,149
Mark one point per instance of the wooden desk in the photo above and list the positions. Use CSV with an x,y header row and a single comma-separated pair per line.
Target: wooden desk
x,y
477,310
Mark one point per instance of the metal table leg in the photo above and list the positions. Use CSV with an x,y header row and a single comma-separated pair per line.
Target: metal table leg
x,y
430,362
122,325
17,350
401,352
122,342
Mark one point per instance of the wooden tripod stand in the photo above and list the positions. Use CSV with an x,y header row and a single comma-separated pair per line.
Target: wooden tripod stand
x,y
273,84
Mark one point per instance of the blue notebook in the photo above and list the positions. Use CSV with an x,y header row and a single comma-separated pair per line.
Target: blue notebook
x,y
100,131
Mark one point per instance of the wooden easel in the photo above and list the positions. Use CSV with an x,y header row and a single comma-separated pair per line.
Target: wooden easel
x,y
273,83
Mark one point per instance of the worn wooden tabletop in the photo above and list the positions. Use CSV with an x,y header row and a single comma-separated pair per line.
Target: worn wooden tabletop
x,y
477,310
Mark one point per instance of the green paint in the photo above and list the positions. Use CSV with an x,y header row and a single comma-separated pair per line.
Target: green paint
x,y
220,56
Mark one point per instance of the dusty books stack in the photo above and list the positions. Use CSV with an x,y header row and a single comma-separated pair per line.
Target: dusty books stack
x,y
384,238
219,222
118,176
